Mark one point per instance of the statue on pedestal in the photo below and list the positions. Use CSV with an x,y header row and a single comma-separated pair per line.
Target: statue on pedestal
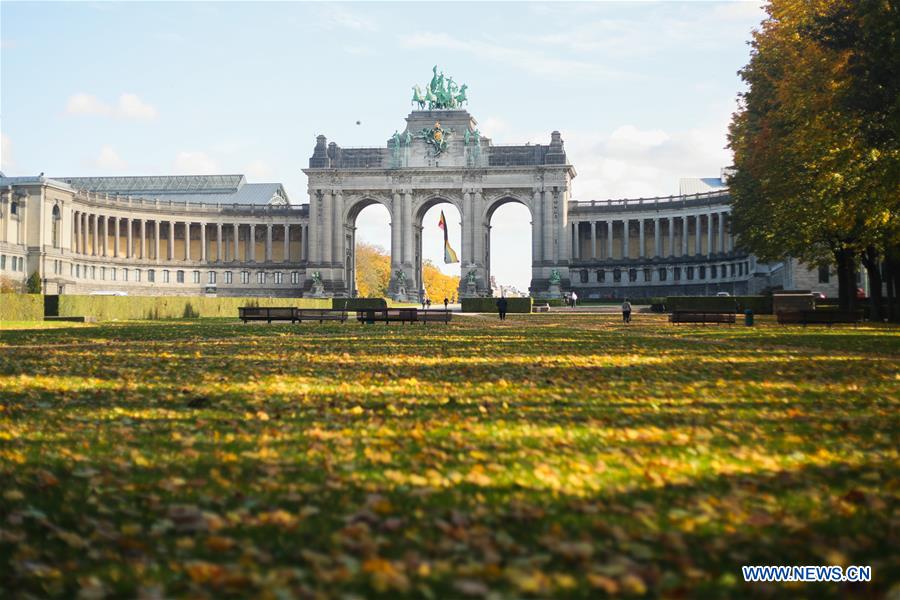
x,y
401,295
318,288
555,280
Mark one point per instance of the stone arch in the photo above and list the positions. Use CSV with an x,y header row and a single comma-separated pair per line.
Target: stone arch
x,y
491,205
353,206
421,207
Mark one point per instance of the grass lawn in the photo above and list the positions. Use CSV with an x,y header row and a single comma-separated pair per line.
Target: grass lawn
x,y
549,455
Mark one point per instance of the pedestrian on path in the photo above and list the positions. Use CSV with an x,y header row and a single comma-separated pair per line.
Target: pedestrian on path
x,y
626,311
502,304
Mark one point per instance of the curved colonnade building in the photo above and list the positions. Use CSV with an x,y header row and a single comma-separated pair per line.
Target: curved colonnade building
x,y
219,234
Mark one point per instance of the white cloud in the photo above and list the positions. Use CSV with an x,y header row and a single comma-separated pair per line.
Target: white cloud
x,y
335,15
527,58
195,163
109,160
6,157
86,104
257,170
130,106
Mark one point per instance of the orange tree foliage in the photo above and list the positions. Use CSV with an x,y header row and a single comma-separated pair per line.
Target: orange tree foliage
x,y
373,274
816,138
208,459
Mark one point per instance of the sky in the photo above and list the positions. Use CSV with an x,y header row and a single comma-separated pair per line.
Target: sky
x,y
642,92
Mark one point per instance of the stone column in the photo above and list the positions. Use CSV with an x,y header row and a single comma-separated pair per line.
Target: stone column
x,y
338,252
203,242
684,236
170,247
156,226
117,232
625,241
76,233
698,235
237,241
252,238
220,256
657,239
187,241
709,235
396,230
643,249
535,228
408,249
268,242
721,240
95,247
327,235
287,242
609,239
143,253
576,240
594,239
671,224
129,239
304,242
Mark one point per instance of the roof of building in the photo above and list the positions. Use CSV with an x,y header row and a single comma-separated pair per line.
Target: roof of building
x,y
700,185
209,189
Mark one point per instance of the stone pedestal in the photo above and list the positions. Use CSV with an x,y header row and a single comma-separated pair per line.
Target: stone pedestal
x,y
554,291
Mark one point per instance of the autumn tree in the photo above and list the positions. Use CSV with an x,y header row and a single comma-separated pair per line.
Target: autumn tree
x,y
815,138
373,271
439,285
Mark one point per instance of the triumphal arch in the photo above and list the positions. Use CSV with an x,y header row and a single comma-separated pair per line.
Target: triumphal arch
x,y
438,157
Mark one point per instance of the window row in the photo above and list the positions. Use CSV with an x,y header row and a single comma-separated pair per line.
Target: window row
x,y
12,263
165,275
701,272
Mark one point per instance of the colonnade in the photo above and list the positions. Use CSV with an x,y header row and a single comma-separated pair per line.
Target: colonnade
x,y
670,236
96,234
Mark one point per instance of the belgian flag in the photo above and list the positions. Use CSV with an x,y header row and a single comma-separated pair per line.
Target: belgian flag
x,y
449,254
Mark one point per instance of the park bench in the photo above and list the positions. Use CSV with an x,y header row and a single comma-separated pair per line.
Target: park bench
x,y
266,313
289,313
539,308
319,314
434,316
387,315
698,316
819,317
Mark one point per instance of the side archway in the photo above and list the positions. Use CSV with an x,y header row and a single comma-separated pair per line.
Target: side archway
x,y
372,230
505,246
433,279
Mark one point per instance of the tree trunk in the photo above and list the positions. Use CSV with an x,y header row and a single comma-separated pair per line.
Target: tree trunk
x,y
873,268
892,261
846,271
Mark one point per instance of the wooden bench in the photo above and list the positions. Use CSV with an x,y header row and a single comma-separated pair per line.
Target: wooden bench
x,y
696,316
266,313
289,313
387,315
438,315
319,314
819,317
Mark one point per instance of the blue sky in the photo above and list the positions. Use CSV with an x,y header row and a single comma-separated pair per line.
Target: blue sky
x,y
641,91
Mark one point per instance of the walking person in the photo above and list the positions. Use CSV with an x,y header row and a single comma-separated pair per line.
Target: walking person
x,y
626,311
446,304
574,299
428,303
502,304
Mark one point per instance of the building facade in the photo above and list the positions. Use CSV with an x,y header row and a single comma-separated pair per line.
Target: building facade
x,y
221,235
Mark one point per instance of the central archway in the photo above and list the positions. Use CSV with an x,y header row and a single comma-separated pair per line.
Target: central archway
x,y
429,249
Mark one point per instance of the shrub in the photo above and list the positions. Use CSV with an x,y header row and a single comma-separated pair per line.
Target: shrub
x,y
514,305
33,284
21,307
108,308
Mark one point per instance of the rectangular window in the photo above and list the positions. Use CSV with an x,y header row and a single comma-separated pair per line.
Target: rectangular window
x,y
112,274
151,275
712,271
124,274
93,272
245,277
260,277
676,273
165,276
295,277
647,275
279,277
78,271
632,275
702,272
227,276
211,277
662,273
724,270
690,273
617,275
601,276
732,269
2,261
196,277
823,274
137,274
102,273
179,276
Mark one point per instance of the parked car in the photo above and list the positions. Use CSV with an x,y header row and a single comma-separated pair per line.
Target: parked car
x,y
722,294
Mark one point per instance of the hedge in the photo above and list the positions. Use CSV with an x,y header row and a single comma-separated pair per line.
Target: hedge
x,y
514,305
758,304
109,308
358,303
21,307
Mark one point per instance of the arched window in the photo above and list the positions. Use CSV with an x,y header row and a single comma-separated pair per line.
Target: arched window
x,y
13,208
584,275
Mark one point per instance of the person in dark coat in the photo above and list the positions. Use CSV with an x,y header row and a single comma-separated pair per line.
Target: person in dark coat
x,y
446,304
501,307
626,311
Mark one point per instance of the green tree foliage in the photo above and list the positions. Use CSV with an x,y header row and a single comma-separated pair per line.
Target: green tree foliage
x,y
33,285
815,138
